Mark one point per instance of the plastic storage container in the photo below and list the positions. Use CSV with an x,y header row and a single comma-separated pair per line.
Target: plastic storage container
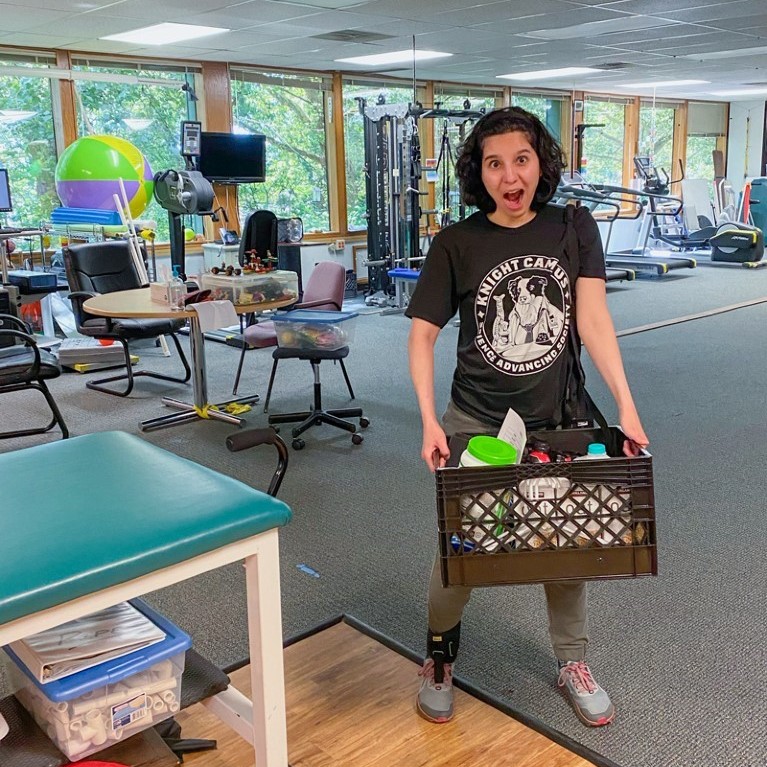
x,y
92,709
563,521
314,329
256,288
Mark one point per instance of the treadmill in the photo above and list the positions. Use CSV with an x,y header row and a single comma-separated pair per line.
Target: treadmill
x,y
567,192
636,258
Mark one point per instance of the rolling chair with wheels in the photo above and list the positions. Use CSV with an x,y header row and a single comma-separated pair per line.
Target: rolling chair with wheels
x,y
324,291
106,267
24,366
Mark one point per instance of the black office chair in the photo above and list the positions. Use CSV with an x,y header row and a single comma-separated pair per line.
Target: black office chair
x,y
25,366
105,267
259,236
326,287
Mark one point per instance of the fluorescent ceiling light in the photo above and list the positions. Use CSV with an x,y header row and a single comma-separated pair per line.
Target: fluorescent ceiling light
x,y
395,57
596,28
545,74
733,54
138,123
11,116
741,92
664,84
165,34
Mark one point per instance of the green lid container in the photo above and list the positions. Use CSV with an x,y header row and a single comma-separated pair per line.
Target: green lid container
x,y
492,450
597,449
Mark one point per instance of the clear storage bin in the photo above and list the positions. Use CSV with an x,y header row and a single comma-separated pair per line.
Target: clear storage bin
x,y
314,329
93,709
256,288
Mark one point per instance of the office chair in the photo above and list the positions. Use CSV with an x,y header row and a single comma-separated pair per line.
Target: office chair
x,y
105,267
324,291
259,236
24,366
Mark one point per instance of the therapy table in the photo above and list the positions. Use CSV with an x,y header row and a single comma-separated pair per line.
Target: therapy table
x,y
94,520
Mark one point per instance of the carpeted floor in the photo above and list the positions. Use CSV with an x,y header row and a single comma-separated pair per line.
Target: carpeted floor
x,y
682,654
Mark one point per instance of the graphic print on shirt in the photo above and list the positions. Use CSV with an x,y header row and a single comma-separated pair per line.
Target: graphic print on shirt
x,y
523,314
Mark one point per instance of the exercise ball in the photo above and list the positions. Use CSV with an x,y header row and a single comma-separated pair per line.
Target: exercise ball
x,y
87,174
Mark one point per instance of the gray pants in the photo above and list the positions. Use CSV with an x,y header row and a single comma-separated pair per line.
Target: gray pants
x,y
568,618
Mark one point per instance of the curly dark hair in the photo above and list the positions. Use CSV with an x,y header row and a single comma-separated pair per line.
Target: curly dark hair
x,y
468,167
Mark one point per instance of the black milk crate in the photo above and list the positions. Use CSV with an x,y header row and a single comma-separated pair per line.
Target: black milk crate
x,y
542,522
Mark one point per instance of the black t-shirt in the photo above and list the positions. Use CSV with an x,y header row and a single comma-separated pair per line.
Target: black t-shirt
x,y
513,289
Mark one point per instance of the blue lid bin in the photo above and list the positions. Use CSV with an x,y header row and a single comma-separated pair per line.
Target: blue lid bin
x,y
91,710
313,329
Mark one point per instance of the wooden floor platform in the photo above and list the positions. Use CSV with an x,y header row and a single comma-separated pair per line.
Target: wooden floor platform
x,y
350,703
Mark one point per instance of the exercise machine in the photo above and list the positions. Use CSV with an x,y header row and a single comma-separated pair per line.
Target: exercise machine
x,y
393,175
632,205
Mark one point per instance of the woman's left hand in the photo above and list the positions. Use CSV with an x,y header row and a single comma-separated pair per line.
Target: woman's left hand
x,y
632,428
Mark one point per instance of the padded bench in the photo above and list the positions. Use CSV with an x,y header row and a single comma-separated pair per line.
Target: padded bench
x,y
98,519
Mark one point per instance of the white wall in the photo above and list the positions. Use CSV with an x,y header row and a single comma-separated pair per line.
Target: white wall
x,y
746,127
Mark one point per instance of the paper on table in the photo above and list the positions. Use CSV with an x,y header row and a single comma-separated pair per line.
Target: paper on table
x,y
514,432
215,314
86,642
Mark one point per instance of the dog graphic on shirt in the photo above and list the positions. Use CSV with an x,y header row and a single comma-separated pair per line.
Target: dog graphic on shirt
x,y
533,319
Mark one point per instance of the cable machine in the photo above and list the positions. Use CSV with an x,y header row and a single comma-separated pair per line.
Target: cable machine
x,y
393,172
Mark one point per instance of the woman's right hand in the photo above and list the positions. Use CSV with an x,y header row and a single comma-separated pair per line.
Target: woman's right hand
x,y
434,450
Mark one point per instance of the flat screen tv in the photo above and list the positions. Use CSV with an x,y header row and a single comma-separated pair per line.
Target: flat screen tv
x,y
233,158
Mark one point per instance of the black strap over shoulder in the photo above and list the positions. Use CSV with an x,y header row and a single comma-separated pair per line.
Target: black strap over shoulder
x,y
579,409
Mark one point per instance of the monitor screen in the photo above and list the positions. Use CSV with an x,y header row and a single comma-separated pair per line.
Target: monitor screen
x,y
236,158
5,192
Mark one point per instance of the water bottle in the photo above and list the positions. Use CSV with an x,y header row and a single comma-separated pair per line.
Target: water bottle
x,y
176,290
605,502
484,512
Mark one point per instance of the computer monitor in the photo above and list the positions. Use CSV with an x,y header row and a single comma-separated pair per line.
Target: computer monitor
x,y
5,192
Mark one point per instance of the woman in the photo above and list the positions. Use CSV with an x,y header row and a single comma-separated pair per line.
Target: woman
x,y
518,287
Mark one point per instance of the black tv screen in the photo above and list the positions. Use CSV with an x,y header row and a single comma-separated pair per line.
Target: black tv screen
x,y
235,158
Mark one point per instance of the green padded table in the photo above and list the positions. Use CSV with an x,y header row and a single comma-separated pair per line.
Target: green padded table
x,y
94,520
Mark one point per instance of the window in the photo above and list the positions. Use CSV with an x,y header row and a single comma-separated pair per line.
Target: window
x,y
291,110
141,103
354,142
602,150
549,109
27,142
656,134
706,132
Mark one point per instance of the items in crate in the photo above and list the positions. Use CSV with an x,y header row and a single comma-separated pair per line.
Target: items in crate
x,y
251,288
314,329
540,512
90,710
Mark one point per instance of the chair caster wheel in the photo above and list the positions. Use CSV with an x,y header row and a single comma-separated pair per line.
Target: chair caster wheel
x,y
364,422
298,444
357,439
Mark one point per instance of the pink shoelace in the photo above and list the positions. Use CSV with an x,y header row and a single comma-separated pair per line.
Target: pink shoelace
x,y
580,675
428,672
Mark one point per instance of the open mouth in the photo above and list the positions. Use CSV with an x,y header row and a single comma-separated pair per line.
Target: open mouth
x,y
513,197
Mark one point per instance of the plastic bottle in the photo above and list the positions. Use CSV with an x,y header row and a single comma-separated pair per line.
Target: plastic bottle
x,y
176,290
605,501
482,510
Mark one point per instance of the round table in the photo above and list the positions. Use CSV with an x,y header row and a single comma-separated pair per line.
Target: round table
x,y
138,304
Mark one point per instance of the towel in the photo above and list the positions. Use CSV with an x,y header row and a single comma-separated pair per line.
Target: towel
x,y
215,314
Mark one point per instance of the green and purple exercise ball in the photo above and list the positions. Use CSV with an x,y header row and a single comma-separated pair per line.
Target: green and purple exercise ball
x,y
87,174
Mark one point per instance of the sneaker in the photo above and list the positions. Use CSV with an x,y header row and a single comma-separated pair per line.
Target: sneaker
x,y
435,699
591,703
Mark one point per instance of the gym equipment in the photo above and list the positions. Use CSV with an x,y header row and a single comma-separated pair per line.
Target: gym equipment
x,y
89,169
392,191
568,192
182,193
636,258
663,206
